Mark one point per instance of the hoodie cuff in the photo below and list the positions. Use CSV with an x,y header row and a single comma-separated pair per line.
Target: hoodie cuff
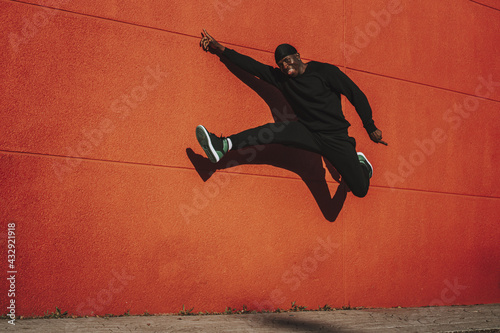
x,y
370,127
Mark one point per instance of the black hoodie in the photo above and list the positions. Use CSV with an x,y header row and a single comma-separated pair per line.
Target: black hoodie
x,y
313,95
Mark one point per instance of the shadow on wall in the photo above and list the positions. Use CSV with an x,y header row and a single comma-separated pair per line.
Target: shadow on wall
x,y
307,165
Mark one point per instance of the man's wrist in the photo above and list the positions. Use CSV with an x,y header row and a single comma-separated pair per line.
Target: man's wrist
x,y
370,128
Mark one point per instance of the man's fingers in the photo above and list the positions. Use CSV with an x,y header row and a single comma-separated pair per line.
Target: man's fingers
x,y
382,142
204,43
205,40
207,34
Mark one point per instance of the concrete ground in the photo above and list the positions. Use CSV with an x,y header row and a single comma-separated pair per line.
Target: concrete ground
x,y
478,318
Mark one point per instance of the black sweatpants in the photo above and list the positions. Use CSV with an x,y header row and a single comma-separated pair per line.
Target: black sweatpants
x,y
337,147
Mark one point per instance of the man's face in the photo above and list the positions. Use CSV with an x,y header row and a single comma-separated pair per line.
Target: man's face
x,y
290,64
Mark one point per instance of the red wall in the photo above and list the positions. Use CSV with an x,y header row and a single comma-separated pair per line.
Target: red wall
x,y
116,208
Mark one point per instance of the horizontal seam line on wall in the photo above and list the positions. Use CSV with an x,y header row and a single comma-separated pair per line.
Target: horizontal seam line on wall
x,y
103,18
253,48
437,192
424,84
485,5
230,172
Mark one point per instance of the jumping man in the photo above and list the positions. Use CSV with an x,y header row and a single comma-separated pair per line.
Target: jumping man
x,y
313,91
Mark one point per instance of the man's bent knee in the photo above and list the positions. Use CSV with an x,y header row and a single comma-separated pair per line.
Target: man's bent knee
x,y
360,192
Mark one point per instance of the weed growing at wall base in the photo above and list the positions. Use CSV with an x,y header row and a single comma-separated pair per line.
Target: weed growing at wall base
x,y
105,296
294,277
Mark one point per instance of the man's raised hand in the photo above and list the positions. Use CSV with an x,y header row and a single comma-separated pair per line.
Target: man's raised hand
x,y
376,136
208,43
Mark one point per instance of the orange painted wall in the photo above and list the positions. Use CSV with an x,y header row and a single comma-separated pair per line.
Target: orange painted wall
x,y
116,208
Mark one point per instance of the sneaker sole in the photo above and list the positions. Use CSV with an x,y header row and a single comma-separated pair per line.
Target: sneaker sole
x,y
371,167
206,144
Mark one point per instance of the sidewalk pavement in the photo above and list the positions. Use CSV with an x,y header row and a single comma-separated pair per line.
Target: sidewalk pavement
x,y
477,318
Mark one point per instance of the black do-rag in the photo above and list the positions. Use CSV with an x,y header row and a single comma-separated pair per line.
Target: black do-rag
x,y
283,50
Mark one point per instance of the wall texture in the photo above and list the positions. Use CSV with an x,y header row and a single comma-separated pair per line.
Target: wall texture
x,y
116,209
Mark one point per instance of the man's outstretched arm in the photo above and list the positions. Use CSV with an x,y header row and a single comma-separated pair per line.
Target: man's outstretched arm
x,y
248,64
